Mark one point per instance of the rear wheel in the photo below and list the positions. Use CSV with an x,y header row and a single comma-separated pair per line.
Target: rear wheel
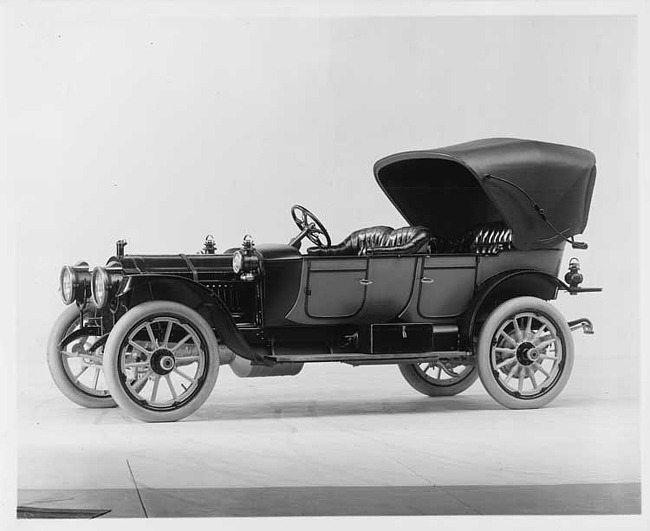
x,y
161,361
76,371
525,353
439,378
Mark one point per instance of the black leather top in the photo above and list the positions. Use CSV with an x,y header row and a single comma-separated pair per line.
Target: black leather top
x,y
453,189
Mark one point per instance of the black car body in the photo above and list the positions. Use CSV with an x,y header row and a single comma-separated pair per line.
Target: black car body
x,y
461,291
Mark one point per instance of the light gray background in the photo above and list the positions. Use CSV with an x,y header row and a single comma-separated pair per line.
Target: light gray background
x,y
161,130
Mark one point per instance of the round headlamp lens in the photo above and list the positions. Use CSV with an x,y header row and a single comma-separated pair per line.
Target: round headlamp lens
x,y
99,286
237,261
67,284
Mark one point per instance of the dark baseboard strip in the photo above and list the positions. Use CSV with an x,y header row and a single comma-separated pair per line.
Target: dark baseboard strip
x,y
41,512
578,499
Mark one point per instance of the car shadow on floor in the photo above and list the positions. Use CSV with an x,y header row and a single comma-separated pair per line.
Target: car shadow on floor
x,y
333,408
259,407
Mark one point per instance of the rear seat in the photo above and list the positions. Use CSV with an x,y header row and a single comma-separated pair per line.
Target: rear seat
x,y
484,240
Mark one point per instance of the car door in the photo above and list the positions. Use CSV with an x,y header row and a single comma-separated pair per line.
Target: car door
x,y
444,285
391,283
332,290
355,289
336,288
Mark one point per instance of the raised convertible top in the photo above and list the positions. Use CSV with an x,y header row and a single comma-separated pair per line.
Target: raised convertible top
x,y
450,190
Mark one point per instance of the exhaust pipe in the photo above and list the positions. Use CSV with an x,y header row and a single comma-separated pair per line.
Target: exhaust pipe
x,y
584,323
245,369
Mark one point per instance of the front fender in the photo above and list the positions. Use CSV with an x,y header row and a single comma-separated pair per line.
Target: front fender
x,y
141,288
505,286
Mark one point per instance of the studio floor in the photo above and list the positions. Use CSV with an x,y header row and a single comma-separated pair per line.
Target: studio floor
x,y
336,440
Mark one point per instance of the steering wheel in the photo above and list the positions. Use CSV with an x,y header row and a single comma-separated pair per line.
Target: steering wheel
x,y
309,226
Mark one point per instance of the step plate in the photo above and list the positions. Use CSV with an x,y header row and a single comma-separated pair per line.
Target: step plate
x,y
370,358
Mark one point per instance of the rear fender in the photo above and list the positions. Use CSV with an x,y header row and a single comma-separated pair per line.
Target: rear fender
x,y
502,287
141,288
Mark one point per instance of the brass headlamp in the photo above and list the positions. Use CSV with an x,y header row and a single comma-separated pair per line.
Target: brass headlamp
x,y
245,261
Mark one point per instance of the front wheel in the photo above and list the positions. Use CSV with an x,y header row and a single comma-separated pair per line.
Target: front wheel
x,y
161,361
76,369
525,353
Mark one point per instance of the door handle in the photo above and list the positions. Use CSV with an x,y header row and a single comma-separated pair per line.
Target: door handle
x,y
426,280
365,282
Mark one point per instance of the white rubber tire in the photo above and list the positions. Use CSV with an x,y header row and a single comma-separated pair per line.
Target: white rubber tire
x,y
121,331
486,372
55,363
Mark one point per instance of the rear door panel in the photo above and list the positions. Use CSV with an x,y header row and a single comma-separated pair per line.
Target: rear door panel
x,y
444,286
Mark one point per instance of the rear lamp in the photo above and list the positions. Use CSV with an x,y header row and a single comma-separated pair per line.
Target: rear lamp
x,y
74,283
573,276
104,283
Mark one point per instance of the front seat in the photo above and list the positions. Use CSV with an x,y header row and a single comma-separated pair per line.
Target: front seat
x,y
406,240
356,243
378,240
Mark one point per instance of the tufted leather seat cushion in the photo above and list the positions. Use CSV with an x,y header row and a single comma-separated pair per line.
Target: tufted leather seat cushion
x,y
484,239
378,240
355,243
406,240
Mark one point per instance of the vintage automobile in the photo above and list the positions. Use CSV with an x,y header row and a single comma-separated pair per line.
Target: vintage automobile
x,y
461,292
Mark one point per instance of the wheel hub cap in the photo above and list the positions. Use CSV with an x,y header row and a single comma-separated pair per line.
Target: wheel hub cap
x,y
163,361
526,353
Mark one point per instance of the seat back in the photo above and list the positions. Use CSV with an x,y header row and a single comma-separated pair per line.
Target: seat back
x,y
485,240
356,243
405,240
491,240
378,240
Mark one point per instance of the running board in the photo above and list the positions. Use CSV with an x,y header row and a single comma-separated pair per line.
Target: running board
x,y
359,358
